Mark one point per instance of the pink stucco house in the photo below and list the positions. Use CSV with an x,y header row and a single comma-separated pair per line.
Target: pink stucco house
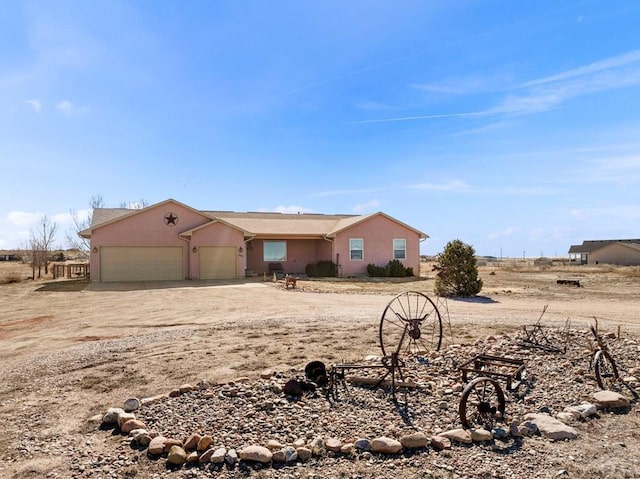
x,y
172,241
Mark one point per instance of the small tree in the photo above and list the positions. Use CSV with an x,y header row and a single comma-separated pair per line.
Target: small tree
x,y
457,271
41,243
75,241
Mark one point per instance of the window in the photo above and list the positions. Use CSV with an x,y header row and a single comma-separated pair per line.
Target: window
x,y
356,249
275,251
399,249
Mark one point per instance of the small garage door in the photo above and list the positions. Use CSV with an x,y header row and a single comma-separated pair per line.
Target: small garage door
x,y
141,263
218,262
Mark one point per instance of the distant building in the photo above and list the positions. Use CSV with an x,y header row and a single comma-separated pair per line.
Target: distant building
x,y
622,252
10,255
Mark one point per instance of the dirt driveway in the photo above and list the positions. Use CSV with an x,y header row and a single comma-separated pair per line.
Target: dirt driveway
x,y
70,350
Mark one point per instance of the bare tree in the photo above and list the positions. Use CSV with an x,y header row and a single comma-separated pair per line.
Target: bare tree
x,y
74,240
134,205
41,243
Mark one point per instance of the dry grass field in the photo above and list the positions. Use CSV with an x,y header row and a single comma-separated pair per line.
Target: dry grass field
x,y
69,349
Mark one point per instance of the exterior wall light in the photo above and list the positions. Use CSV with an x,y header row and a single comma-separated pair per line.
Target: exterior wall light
x,y
195,250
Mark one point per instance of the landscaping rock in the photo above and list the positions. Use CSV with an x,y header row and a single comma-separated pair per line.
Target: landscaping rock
x,y
416,440
550,427
255,454
458,435
177,456
386,445
156,445
440,443
610,400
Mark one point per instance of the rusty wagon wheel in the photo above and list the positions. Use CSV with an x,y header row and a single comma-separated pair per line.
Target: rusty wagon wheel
x,y
605,369
410,325
481,404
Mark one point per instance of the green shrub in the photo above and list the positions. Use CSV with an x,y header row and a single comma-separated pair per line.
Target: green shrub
x,y
458,271
396,269
393,269
321,269
376,271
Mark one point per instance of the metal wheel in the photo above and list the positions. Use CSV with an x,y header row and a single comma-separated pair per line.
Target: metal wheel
x,y
410,326
481,404
605,369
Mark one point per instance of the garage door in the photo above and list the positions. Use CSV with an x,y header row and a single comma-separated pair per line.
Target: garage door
x,y
218,262
141,263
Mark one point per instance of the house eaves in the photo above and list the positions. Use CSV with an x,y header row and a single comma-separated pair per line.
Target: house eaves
x,y
189,233
281,226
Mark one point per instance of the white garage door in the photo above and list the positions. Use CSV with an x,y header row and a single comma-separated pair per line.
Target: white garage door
x,y
141,263
218,262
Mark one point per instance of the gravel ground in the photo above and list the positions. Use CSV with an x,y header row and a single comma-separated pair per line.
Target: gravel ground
x,y
69,351
242,413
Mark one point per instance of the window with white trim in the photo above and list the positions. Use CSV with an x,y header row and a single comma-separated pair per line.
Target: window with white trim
x,y
356,249
400,248
275,251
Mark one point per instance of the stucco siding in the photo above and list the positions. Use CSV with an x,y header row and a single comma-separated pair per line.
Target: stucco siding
x,y
217,234
300,253
615,253
145,228
378,234
236,241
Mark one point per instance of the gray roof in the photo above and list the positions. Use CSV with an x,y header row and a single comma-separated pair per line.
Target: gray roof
x,y
105,215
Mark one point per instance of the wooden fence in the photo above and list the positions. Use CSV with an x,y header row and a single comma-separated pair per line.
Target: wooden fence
x,y
71,270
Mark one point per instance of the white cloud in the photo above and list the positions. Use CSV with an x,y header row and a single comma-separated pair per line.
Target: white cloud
x,y
368,206
627,213
451,185
348,192
595,67
66,107
36,105
505,233
374,106
23,218
62,219
468,84
293,209
541,94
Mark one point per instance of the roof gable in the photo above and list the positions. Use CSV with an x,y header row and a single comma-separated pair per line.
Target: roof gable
x,y
350,222
105,216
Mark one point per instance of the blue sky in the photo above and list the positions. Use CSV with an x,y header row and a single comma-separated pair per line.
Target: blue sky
x,y
512,126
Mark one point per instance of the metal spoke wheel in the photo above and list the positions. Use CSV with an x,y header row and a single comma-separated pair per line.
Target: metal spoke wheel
x,y
410,326
481,404
605,369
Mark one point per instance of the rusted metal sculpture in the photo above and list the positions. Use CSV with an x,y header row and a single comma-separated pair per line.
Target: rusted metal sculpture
x,y
410,325
604,366
536,336
482,402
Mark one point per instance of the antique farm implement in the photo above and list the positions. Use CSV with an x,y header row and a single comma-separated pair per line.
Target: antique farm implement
x,y
482,402
604,366
539,336
410,327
